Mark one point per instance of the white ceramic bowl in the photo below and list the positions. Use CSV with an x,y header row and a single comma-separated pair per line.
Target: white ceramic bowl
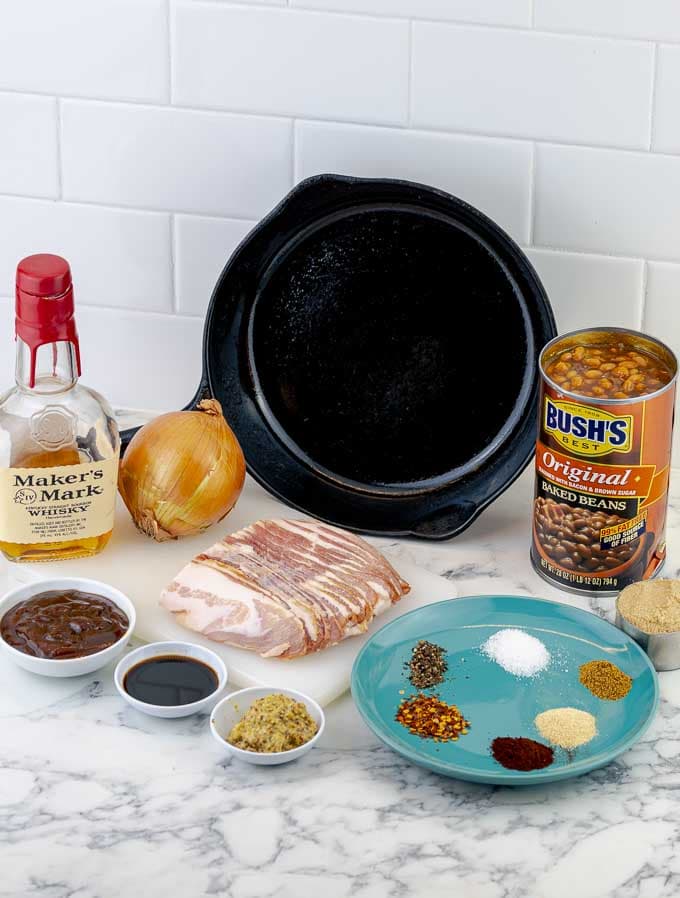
x,y
232,708
68,667
186,650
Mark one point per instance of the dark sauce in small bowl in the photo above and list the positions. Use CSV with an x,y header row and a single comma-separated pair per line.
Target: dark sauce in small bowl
x,y
170,680
60,624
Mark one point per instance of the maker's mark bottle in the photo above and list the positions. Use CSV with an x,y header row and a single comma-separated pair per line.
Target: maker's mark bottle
x,y
59,443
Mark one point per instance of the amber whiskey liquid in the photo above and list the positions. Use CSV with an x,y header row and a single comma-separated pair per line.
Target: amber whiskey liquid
x,y
53,551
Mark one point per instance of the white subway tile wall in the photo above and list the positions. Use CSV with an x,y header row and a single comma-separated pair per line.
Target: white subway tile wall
x,y
522,84
652,19
28,145
135,359
159,354
662,316
591,291
494,12
662,309
603,201
494,175
120,258
174,159
202,247
666,134
144,138
287,62
7,337
113,49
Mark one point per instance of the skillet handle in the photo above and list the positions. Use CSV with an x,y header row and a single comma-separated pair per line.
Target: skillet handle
x,y
203,392
444,526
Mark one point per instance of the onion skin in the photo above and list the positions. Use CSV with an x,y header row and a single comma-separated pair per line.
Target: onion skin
x,y
182,472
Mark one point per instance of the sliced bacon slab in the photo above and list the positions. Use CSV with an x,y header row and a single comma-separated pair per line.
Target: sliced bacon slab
x,y
284,588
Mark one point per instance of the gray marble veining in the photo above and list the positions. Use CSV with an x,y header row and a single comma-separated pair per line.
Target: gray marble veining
x,y
99,801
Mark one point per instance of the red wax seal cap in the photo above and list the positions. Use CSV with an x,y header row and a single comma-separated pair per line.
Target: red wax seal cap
x,y
44,305
43,275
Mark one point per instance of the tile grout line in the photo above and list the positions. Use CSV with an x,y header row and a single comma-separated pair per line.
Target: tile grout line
x,y
532,194
300,6
409,88
128,310
603,254
431,129
497,136
652,94
141,210
260,4
169,42
645,284
255,217
174,292
60,176
86,98
294,152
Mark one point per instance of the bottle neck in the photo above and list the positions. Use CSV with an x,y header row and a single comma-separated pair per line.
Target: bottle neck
x,y
56,368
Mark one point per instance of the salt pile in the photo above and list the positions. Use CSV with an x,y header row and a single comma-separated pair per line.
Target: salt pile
x,y
517,652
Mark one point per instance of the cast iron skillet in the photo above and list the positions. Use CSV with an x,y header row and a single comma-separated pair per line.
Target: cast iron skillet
x,y
374,346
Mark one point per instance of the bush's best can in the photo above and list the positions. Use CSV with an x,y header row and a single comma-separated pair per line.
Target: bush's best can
x,y
603,459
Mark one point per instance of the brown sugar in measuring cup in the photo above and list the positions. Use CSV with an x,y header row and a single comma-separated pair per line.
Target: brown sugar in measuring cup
x,y
649,612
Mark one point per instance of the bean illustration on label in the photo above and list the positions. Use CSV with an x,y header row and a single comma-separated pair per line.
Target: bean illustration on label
x,y
602,459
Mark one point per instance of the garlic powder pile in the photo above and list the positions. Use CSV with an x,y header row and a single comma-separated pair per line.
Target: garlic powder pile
x,y
517,652
566,727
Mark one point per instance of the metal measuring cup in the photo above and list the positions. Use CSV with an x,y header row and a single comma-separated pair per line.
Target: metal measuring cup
x,y
663,649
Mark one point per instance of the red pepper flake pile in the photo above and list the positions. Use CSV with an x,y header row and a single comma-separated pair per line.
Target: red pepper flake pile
x,y
518,753
430,718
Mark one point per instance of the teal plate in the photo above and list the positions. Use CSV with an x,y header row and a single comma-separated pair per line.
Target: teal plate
x,y
495,702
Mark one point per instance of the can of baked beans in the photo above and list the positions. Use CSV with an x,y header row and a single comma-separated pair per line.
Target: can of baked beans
x,y
603,455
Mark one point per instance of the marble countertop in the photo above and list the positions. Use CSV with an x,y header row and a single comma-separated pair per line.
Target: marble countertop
x,y
100,801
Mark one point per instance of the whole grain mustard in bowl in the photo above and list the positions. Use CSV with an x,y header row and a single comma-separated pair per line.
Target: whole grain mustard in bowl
x,y
649,612
266,726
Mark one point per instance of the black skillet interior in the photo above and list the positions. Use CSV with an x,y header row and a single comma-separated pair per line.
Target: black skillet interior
x,y
374,346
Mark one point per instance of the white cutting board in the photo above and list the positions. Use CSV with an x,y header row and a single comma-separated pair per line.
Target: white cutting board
x,y
140,568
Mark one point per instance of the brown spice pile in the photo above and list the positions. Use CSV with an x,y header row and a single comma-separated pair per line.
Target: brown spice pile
x,y
605,680
427,665
430,718
518,753
652,606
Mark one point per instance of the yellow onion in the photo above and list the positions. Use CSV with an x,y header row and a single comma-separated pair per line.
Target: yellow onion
x,y
182,472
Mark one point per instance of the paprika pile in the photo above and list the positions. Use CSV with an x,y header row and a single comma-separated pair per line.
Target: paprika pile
x,y
518,753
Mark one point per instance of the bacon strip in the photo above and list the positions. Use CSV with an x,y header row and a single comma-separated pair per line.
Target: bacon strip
x,y
284,588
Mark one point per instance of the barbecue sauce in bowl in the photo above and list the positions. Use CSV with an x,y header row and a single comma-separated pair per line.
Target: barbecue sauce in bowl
x,y
170,680
60,624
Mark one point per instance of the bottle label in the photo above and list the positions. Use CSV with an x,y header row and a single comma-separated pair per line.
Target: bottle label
x,y
60,504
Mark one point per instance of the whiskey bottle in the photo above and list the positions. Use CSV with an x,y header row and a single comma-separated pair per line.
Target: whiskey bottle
x,y
59,443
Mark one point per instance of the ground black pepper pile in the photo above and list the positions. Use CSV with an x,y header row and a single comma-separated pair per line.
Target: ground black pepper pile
x,y
427,666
